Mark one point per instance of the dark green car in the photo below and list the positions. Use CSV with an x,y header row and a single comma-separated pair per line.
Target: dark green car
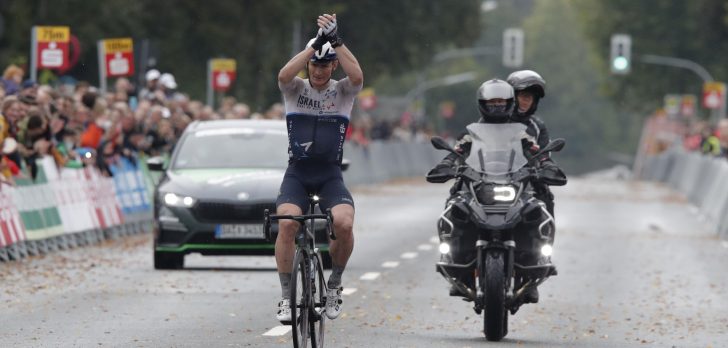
x,y
210,200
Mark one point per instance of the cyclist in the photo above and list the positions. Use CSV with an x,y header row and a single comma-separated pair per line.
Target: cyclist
x,y
317,116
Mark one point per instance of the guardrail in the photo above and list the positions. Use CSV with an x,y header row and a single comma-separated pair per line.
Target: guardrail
x,y
74,207
702,179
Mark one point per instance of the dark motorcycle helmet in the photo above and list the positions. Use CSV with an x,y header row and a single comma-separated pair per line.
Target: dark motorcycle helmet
x,y
489,91
530,81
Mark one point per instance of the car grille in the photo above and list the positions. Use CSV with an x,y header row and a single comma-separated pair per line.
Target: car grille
x,y
221,212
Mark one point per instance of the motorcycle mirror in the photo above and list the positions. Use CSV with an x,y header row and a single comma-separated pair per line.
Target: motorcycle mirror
x,y
555,145
441,144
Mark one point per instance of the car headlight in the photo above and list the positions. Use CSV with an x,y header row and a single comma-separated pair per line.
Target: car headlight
x,y
175,200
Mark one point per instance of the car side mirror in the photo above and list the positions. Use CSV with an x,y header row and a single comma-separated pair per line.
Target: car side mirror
x,y
156,164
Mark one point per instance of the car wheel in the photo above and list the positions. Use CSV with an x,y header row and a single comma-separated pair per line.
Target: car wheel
x,y
166,260
326,260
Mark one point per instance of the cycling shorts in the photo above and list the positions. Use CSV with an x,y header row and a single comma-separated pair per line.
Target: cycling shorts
x,y
323,179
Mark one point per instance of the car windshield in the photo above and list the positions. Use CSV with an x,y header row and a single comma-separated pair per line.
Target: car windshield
x,y
497,148
233,148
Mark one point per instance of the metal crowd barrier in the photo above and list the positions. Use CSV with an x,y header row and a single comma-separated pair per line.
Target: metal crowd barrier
x,y
702,179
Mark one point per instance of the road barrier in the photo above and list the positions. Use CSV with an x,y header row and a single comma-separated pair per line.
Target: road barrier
x,y
702,179
74,207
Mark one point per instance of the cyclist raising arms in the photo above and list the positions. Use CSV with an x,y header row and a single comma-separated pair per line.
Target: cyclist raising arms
x,y
317,116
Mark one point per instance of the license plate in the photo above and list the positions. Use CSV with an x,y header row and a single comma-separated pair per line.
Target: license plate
x,y
239,231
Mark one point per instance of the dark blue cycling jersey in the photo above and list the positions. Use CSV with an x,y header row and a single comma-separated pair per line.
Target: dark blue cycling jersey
x,y
317,119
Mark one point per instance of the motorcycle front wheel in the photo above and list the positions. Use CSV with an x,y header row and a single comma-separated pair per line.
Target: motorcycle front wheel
x,y
495,315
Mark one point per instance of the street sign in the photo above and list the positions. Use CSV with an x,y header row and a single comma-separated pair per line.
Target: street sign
x,y
672,104
688,104
713,95
513,47
367,99
118,57
50,48
223,73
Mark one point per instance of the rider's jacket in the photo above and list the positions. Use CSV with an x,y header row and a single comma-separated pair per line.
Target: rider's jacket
x,y
317,120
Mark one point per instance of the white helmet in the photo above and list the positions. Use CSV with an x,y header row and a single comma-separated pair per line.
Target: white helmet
x,y
326,53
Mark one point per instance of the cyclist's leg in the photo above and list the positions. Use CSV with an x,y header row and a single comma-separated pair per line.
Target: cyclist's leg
x,y
334,195
291,198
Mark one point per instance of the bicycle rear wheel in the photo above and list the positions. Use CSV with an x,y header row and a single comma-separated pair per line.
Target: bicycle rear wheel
x,y
318,291
300,301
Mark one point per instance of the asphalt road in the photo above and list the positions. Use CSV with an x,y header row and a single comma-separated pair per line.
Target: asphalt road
x,y
637,268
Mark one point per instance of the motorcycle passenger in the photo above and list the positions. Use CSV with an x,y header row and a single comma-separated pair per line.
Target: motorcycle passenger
x,y
317,116
497,103
529,88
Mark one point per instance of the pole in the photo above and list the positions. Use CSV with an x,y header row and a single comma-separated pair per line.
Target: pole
x,y
33,54
210,100
102,66
716,114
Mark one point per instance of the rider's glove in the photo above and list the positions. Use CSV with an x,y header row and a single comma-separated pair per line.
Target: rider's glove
x,y
330,32
320,41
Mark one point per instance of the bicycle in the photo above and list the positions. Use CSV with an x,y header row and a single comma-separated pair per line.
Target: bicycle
x,y
308,288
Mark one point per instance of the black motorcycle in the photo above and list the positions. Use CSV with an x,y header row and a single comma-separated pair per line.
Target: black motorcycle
x,y
496,237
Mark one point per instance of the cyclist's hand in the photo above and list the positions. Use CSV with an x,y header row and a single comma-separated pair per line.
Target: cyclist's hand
x,y
327,23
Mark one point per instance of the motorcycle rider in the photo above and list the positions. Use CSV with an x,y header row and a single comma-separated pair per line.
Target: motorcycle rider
x,y
498,103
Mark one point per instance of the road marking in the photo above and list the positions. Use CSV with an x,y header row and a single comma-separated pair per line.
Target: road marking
x,y
409,255
278,331
435,240
390,264
425,247
369,276
348,291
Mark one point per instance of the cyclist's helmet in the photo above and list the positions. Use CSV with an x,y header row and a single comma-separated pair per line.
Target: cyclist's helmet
x,y
492,111
325,54
531,81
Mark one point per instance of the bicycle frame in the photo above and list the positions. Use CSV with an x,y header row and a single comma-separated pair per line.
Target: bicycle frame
x,y
307,255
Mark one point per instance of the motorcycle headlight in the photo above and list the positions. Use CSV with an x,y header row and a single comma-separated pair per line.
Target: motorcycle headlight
x,y
489,194
175,200
444,248
547,250
504,193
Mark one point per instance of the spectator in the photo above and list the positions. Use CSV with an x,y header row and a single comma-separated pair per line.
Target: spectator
x,y
12,77
149,90
723,137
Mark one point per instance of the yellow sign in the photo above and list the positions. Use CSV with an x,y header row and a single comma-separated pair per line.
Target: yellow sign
x,y
222,64
118,45
52,34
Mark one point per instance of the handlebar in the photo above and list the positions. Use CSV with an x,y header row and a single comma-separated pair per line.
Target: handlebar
x,y
267,218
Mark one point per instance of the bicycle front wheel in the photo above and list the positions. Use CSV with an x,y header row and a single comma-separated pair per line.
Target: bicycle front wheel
x,y
300,301
318,291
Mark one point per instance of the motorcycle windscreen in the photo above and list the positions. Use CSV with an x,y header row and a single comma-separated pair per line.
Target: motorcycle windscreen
x,y
497,149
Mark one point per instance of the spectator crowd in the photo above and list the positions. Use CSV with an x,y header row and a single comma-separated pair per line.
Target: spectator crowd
x,y
708,139
78,125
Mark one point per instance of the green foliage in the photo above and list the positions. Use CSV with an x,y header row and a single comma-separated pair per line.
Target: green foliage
x,y
388,37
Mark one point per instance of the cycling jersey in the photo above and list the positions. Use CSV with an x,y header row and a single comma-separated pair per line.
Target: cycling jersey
x,y
317,120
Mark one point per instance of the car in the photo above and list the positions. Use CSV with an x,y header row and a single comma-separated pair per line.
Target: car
x,y
211,196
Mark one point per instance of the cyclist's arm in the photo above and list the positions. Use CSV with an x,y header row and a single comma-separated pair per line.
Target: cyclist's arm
x,y
296,64
350,65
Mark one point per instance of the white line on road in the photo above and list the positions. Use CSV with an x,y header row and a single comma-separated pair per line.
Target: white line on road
x,y
369,276
390,264
278,331
348,291
409,255
435,240
425,247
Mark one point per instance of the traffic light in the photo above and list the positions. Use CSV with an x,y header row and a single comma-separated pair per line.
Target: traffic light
x,y
513,47
621,57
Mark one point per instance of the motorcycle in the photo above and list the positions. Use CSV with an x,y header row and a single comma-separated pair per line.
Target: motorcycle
x,y
496,236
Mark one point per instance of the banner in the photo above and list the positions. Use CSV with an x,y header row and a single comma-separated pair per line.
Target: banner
x,y
36,203
118,56
131,191
11,227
